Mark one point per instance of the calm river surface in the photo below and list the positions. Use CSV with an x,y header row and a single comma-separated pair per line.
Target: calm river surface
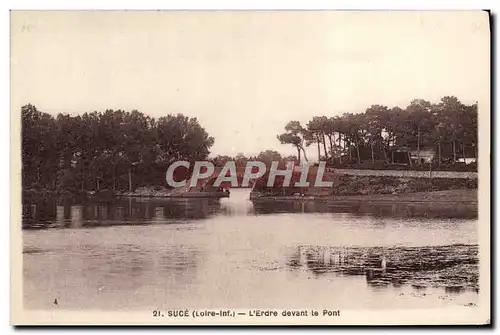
x,y
158,253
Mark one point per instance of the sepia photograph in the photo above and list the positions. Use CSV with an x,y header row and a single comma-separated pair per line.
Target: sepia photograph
x,y
250,167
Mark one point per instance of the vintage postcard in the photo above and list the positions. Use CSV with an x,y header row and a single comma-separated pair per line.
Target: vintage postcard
x,y
250,167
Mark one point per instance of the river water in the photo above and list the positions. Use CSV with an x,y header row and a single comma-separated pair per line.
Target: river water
x,y
133,254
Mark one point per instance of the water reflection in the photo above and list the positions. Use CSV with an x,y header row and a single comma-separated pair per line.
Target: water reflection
x,y
67,214
402,210
454,267
47,213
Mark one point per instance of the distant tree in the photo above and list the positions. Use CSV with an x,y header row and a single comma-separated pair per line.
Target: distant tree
x,y
241,160
269,156
221,160
291,158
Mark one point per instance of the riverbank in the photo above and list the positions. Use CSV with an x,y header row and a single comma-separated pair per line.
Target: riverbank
x,y
163,192
390,188
457,196
216,195
141,192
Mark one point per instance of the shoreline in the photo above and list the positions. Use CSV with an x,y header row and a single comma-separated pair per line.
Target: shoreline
x,y
152,194
188,195
464,196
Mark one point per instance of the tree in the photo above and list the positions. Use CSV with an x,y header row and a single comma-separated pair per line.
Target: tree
x,y
353,128
375,121
182,138
38,147
420,119
269,156
294,135
329,130
451,113
316,132
470,127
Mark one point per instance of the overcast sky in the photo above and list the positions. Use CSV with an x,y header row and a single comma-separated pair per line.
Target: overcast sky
x,y
245,74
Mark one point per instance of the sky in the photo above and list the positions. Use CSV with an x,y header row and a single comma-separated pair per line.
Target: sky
x,y
244,75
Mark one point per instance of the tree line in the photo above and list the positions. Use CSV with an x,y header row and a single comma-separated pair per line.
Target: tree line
x,y
119,150
449,127
113,150
266,156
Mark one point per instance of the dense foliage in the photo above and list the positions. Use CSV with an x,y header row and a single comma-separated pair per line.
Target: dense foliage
x,y
113,150
449,127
